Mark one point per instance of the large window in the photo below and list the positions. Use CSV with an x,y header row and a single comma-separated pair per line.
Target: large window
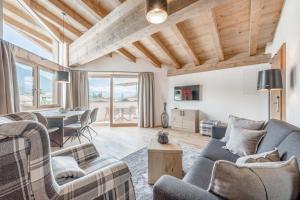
x,y
37,87
26,84
116,97
16,38
47,88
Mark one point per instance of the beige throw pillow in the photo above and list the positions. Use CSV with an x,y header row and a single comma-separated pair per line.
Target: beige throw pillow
x,y
244,142
260,181
270,156
234,121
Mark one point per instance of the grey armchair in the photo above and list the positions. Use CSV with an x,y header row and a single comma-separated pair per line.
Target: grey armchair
x,y
26,170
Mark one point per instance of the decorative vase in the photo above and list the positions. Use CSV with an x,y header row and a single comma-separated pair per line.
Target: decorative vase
x,y
165,117
163,137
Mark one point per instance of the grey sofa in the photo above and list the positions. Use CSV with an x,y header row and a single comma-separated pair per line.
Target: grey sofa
x,y
193,186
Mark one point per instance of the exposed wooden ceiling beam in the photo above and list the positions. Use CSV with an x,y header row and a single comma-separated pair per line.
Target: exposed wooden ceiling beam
x,y
147,53
126,24
101,12
162,47
53,18
181,36
236,61
40,43
95,7
215,34
255,14
63,38
72,13
34,15
22,27
123,52
17,11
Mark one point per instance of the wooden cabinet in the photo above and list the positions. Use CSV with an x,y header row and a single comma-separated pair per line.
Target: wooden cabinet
x,y
185,120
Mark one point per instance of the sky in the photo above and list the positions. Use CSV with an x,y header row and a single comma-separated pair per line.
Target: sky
x,y
14,37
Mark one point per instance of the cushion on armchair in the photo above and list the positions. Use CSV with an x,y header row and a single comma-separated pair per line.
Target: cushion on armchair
x,y
66,167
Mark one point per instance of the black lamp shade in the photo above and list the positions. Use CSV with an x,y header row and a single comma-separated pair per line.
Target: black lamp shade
x,y
269,79
62,76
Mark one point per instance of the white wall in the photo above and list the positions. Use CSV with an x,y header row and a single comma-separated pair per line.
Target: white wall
x,y
119,64
224,92
288,31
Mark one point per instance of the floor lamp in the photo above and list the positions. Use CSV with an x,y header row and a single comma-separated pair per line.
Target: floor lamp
x,y
269,80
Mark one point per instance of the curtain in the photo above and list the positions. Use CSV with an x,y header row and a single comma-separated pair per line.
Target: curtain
x,y
78,90
9,92
146,100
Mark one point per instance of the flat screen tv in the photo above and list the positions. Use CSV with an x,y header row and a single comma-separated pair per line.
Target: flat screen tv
x,y
187,93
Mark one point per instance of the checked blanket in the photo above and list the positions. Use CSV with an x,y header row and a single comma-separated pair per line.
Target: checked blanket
x,y
26,172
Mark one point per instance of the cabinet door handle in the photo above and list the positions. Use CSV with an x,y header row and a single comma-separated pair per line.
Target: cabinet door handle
x,y
182,113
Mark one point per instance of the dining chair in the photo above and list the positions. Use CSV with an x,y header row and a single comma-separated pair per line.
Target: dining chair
x,y
51,130
93,117
78,129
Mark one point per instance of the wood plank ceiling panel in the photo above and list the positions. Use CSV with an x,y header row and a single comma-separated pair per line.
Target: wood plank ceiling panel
x,y
270,15
58,12
200,37
233,23
78,7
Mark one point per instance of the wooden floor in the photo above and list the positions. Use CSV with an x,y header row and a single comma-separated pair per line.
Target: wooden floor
x,y
122,141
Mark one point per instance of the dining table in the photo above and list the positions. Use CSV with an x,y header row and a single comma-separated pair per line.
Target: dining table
x,y
59,119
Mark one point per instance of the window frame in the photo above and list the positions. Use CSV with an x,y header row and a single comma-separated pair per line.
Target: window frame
x,y
36,87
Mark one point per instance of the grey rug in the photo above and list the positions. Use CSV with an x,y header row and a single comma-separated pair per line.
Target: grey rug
x,y
138,165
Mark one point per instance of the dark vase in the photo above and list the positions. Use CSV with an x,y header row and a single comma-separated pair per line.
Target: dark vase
x,y
165,117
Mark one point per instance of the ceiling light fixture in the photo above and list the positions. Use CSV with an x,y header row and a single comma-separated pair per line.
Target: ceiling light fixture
x,y
156,11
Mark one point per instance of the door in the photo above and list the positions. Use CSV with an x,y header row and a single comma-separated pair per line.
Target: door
x,y
99,97
278,97
124,105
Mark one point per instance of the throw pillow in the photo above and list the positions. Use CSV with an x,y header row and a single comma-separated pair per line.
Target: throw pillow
x,y
270,156
270,180
244,142
66,167
234,121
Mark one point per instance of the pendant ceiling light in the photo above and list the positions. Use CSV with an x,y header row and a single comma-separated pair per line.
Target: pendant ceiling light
x,y
156,11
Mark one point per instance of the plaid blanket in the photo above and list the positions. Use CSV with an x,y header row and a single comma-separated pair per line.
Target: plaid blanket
x,y
26,172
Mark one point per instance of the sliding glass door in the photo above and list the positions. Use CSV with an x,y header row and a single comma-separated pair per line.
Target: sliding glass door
x,y
116,97
99,97
124,104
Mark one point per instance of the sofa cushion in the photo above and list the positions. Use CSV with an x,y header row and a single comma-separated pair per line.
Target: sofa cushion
x,y
244,142
214,151
269,156
234,121
290,146
269,180
200,173
276,132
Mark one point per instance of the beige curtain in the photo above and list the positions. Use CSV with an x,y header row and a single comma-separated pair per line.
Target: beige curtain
x,y
78,90
9,92
146,100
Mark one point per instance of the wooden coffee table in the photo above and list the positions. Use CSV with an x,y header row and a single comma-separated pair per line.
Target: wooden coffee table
x,y
164,159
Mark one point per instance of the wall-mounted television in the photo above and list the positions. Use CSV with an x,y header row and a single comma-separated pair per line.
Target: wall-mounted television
x,y
187,93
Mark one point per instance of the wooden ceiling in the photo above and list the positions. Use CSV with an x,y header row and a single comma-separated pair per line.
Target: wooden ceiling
x,y
198,35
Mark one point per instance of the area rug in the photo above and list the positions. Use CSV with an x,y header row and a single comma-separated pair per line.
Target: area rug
x,y
138,165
